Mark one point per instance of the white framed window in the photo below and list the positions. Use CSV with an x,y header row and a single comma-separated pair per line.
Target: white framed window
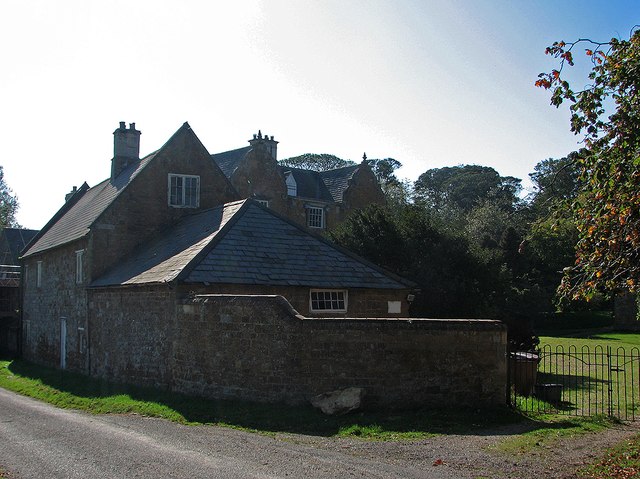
x,y
39,274
79,266
315,217
184,191
328,300
292,186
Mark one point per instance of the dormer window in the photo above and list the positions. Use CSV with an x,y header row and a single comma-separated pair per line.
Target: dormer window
x,y
184,191
292,186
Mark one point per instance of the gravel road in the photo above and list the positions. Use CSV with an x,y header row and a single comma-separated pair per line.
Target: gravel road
x,y
39,440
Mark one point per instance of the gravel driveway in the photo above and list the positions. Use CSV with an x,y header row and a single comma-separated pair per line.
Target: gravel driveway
x,y
39,440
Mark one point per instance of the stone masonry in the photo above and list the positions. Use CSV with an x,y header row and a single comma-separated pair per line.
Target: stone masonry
x,y
259,348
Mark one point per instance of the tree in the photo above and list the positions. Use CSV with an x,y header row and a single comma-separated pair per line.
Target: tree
x,y
384,170
465,186
407,241
316,162
607,209
556,179
8,204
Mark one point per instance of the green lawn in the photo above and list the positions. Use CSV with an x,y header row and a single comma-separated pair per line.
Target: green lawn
x,y
599,373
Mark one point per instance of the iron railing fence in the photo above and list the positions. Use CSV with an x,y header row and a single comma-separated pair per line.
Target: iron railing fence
x,y
581,381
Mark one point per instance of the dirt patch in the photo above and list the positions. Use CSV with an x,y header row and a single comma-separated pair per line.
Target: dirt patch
x,y
479,455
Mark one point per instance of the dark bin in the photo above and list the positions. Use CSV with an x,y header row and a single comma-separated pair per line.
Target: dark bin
x,y
551,393
523,367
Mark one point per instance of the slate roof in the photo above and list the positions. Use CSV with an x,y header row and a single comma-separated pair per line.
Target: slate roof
x,y
337,181
246,243
328,186
164,258
15,240
310,184
76,216
228,161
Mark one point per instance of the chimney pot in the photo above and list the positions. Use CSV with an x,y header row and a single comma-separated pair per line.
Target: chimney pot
x,y
71,193
126,148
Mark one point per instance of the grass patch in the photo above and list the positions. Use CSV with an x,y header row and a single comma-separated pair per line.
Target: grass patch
x,y
615,340
622,461
552,428
75,391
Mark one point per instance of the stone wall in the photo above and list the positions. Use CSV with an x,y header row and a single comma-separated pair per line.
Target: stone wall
x,y
132,334
58,299
257,348
362,303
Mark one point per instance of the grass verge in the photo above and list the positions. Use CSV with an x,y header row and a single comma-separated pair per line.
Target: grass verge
x,y
550,429
75,391
622,461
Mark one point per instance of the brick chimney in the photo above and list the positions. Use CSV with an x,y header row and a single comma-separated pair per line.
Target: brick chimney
x,y
126,148
70,194
269,143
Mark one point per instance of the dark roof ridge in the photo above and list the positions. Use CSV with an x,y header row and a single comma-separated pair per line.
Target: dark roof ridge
x,y
187,127
232,150
118,185
59,214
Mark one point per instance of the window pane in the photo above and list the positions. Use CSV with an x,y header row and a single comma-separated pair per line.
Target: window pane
x,y
329,300
184,191
176,191
191,191
315,217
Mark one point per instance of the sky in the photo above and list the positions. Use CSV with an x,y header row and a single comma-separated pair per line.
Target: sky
x,y
430,83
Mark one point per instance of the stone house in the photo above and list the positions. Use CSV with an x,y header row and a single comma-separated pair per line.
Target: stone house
x,y
12,242
317,200
166,227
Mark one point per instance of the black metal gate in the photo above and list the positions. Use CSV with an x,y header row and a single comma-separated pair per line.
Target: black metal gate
x,y
581,381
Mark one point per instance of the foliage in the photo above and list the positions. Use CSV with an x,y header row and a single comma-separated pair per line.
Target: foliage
x,y
464,187
555,182
384,169
315,162
607,209
550,245
8,204
413,244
